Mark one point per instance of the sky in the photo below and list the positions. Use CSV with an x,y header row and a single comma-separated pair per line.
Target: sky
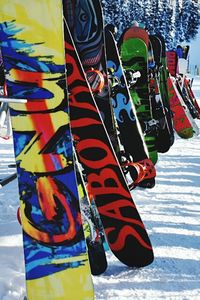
x,y
195,51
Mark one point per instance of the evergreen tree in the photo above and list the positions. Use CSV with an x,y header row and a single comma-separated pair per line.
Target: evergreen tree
x,y
193,20
147,16
156,15
124,14
167,24
109,9
137,11
177,23
176,20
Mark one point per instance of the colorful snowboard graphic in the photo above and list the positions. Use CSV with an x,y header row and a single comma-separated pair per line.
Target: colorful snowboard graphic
x,y
134,55
85,21
182,123
126,234
134,147
56,260
123,106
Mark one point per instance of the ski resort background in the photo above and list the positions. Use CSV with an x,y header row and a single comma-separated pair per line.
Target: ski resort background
x,y
176,20
170,210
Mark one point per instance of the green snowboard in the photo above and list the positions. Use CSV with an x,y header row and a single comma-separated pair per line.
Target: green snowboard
x,y
134,54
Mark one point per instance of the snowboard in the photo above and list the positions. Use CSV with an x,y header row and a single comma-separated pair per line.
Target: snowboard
x,y
55,251
172,61
165,83
190,110
179,51
182,66
139,32
134,147
93,229
161,111
164,72
134,54
94,238
86,24
124,229
182,123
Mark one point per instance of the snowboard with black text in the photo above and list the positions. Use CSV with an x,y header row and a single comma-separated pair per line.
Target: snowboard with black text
x,y
86,23
124,229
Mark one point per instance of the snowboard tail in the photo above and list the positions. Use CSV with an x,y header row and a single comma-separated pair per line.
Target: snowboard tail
x,y
93,229
55,252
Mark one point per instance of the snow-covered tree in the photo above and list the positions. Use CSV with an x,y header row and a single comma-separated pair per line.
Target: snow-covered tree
x,y
177,23
176,20
167,24
191,19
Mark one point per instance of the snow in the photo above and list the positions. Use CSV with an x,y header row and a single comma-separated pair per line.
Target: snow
x,y
171,214
170,211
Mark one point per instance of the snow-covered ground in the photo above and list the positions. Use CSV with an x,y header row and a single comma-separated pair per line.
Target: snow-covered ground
x,y
170,211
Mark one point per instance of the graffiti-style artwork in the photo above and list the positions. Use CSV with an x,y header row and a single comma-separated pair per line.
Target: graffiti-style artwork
x,y
126,234
32,43
85,21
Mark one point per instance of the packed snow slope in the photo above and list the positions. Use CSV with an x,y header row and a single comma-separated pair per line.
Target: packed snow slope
x,y
170,211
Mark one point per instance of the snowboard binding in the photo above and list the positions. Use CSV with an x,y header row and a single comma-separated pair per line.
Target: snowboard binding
x,y
151,126
143,173
132,77
96,80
